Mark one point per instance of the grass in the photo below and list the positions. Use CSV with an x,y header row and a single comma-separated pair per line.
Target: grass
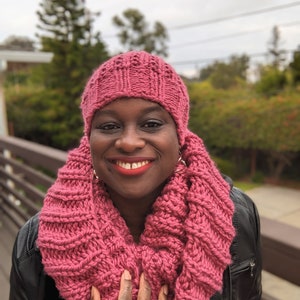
x,y
246,186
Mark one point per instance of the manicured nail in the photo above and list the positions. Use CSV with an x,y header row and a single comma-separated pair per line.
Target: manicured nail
x,y
145,281
127,275
165,290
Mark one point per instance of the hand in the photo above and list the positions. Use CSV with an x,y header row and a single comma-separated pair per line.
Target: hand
x,y
125,292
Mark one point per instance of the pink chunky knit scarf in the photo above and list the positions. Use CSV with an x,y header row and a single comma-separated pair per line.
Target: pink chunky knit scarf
x,y
85,242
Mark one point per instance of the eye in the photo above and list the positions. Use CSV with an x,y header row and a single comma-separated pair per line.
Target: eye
x,y
108,127
152,125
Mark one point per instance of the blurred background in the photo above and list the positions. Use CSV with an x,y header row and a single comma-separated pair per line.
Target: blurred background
x,y
239,59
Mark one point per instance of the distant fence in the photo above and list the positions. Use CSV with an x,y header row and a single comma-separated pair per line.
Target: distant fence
x,y
281,249
28,169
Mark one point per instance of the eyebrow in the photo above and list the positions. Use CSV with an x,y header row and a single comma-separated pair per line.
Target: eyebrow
x,y
147,110
155,108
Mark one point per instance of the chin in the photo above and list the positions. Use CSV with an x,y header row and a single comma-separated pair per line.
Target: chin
x,y
135,196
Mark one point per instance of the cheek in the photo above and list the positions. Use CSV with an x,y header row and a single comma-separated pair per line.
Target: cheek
x,y
92,146
96,147
171,146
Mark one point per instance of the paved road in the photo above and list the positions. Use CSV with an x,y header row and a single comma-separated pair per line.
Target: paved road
x,y
281,204
7,236
278,203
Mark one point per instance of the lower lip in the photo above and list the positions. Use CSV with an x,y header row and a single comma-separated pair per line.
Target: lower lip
x,y
132,172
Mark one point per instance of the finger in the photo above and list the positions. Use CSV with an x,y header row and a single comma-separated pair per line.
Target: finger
x,y
125,287
95,295
145,289
163,293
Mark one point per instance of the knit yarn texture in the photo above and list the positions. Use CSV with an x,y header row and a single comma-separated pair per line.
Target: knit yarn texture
x,y
85,242
137,74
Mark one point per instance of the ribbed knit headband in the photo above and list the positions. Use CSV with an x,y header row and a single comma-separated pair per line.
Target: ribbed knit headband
x,y
186,242
138,75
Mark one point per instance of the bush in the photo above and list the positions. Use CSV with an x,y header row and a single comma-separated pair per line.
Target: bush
x,y
44,116
226,167
258,177
272,82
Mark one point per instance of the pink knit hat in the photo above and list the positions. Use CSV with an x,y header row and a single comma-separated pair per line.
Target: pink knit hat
x,y
138,75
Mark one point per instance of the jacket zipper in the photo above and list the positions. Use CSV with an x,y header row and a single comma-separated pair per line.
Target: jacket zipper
x,y
245,266
252,265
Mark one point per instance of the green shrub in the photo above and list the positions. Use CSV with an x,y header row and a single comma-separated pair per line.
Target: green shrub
x,y
226,167
258,177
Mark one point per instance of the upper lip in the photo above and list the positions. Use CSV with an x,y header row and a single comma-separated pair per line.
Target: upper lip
x,y
129,159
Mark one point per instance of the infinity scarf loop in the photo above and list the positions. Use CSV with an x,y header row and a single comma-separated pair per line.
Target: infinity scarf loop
x,y
85,242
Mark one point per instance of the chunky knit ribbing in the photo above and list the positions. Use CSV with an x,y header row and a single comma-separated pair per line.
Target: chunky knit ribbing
x,y
137,74
84,241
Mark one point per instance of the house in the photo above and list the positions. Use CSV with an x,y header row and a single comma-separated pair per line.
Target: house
x,y
13,61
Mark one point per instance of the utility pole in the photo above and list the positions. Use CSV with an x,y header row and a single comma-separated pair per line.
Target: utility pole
x,y
3,117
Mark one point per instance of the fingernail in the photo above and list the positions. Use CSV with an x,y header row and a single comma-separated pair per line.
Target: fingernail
x,y
165,290
127,275
145,281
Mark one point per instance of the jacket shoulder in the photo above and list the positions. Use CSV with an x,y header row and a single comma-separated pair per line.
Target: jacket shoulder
x,y
27,277
25,244
247,225
245,270
242,200
239,198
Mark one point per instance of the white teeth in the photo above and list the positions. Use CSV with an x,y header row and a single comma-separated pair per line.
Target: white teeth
x,y
130,166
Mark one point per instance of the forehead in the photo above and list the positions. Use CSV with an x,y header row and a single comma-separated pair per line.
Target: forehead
x,y
136,101
127,105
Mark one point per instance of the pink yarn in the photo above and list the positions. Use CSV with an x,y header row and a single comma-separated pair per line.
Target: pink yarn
x,y
137,75
85,242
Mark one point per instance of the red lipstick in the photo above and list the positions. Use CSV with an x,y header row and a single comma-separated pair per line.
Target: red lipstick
x,y
131,166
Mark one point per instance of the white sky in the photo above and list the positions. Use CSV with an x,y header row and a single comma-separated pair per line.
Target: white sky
x,y
19,18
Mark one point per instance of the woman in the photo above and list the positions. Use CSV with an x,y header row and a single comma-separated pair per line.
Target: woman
x,y
139,211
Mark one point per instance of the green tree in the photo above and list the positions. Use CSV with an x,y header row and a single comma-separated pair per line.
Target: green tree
x,y
272,81
36,119
255,125
66,27
273,77
295,66
66,30
226,75
18,43
135,33
276,54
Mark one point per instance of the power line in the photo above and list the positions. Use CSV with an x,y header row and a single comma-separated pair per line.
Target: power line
x,y
226,18
228,36
290,24
213,39
205,60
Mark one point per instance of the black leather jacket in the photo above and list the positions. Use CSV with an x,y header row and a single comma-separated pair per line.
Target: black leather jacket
x,y
241,280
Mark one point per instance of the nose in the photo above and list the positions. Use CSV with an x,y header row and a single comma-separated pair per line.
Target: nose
x,y
129,141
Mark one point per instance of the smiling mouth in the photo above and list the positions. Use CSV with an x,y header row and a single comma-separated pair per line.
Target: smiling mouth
x,y
132,166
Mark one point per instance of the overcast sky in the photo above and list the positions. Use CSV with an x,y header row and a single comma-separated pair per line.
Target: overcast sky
x,y
193,46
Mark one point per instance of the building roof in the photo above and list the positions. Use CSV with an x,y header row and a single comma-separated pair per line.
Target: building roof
x,y
25,56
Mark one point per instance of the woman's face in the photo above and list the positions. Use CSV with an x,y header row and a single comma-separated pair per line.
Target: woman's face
x,y
134,147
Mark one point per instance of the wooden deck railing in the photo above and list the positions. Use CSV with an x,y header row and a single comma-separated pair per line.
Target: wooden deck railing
x,y
28,169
